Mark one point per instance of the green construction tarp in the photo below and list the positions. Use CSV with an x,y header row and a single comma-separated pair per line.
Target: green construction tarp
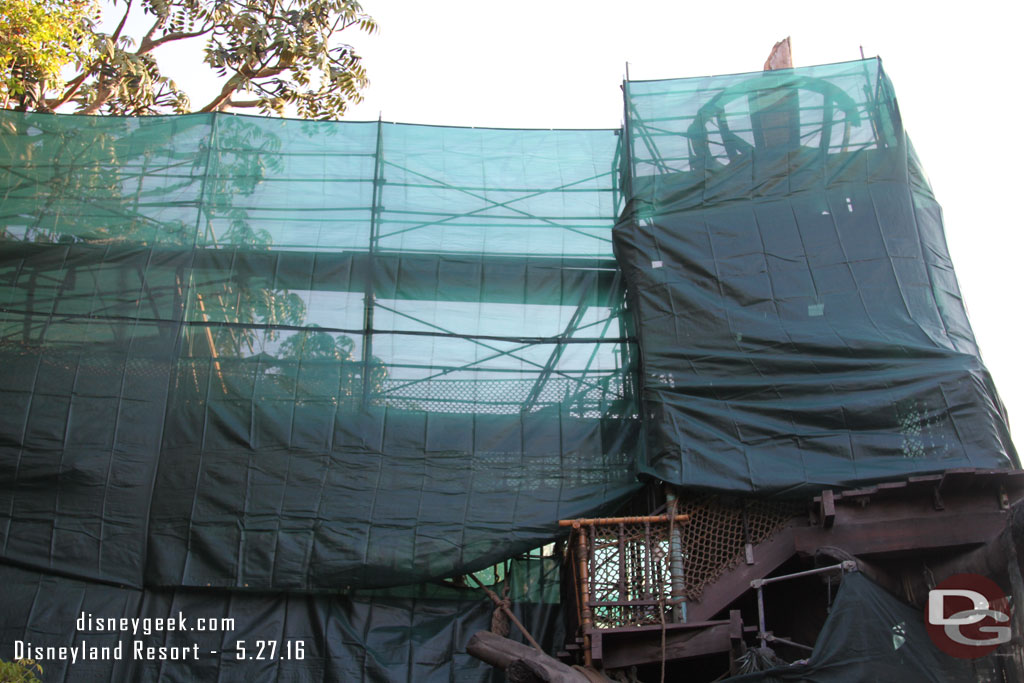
x,y
871,636
416,633
254,353
799,320
249,364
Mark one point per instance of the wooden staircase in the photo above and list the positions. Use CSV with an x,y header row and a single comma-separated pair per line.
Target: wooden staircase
x,y
884,528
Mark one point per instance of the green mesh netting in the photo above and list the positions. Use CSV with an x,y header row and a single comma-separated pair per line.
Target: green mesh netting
x,y
244,352
264,355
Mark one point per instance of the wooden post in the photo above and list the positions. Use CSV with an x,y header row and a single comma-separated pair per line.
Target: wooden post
x,y
508,613
781,56
586,615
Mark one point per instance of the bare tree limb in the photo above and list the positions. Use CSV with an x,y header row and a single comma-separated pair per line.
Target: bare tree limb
x,y
235,82
103,91
229,88
120,26
148,44
152,30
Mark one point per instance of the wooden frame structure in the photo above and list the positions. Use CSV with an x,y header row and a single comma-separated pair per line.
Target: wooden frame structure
x,y
954,521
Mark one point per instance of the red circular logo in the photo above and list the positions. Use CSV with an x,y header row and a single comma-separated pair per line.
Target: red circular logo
x,y
968,616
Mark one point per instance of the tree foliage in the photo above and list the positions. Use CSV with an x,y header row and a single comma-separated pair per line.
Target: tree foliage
x,y
20,671
38,40
271,55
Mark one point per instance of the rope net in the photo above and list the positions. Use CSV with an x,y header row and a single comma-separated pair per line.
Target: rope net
x,y
630,573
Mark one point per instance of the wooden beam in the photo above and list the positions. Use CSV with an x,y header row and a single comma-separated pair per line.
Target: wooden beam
x,y
828,508
522,662
768,556
645,648
938,530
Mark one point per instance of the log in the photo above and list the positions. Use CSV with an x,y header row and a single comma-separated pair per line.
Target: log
x,y
521,663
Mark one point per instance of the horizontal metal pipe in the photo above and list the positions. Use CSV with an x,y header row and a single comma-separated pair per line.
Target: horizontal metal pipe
x,y
845,565
775,639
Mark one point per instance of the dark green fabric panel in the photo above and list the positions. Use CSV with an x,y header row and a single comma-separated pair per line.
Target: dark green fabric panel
x,y
800,321
257,353
872,636
396,494
417,633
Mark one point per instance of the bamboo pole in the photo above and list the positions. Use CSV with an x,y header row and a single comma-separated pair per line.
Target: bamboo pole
x,y
586,614
600,521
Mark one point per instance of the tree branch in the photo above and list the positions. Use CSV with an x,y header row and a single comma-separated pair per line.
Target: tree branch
x,y
148,44
102,95
120,26
261,70
152,29
73,87
229,88
76,84
235,82
267,73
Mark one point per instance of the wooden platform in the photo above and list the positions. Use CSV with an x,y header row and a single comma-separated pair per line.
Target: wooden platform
x,y
943,516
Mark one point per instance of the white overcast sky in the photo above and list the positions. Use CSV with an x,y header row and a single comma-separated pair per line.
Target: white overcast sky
x,y
559,64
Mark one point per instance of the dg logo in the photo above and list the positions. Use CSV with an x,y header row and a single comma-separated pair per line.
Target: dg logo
x,y
968,616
